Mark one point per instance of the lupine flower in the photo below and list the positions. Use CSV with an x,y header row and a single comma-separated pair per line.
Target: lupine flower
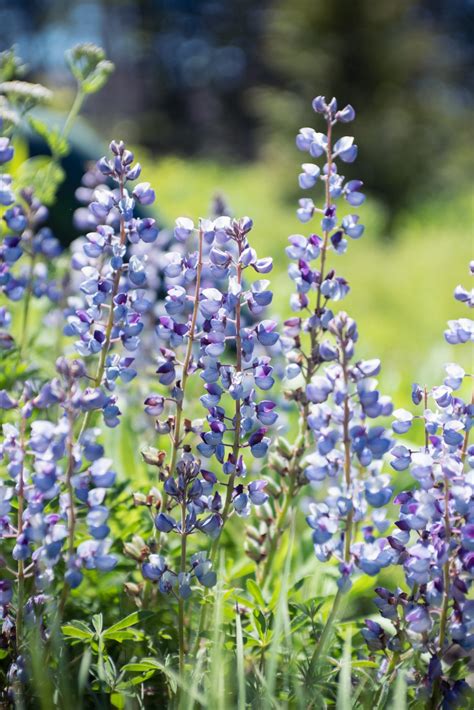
x,y
25,233
337,396
113,283
220,319
349,455
55,467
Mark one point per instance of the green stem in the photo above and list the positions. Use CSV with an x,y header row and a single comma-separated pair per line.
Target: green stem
x,y
21,566
327,630
73,113
385,687
71,514
280,523
71,117
181,600
435,697
237,416
235,449
26,307
66,130
19,640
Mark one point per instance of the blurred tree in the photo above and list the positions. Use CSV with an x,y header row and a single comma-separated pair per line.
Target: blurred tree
x,y
182,66
401,63
228,78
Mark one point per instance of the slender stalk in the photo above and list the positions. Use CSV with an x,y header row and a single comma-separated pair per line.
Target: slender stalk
x,y
347,463
466,435
26,307
427,439
384,687
237,415
235,448
73,113
181,600
71,117
71,506
66,130
20,574
21,565
435,697
280,523
446,579
176,439
177,436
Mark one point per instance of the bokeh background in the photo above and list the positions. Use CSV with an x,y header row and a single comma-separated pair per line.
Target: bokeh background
x,y
211,94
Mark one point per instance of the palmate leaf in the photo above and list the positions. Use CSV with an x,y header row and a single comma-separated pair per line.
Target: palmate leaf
x,y
77,630
126,635
255,591
53,137
126,623
148,666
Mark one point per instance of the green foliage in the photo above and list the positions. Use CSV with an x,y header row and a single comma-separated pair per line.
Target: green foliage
x,y
10,65
89,66
44,174
55,140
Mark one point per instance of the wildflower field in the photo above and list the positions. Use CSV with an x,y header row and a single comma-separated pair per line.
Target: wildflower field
x,y
235,466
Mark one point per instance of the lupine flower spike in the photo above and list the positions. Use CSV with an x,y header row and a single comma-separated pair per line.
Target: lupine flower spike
x,y
305,339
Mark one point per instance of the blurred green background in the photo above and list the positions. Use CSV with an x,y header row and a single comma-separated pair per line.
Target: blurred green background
x,y
211,94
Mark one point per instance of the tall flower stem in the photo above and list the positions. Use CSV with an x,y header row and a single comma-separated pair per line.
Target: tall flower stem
x,y
237,414
435,699
26,307
177,436
21,566
71,506
299,449
181,600
176,442
281,520
235,446
73,112
380,695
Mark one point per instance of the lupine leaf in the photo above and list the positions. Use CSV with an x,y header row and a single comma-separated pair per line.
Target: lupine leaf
x,y
77,629
128,621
